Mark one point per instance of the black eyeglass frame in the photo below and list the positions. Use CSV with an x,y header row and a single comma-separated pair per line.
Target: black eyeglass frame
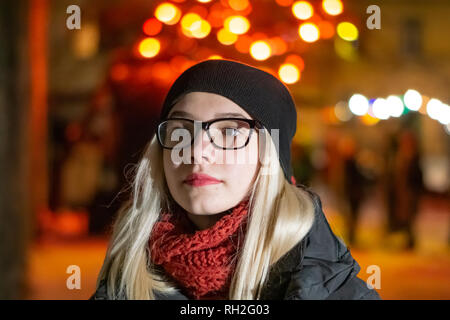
x,y
254,125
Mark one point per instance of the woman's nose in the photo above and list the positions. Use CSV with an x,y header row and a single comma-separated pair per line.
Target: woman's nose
x,y
202,148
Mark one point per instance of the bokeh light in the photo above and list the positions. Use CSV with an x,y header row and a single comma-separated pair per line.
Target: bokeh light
x,y
332,7
238,5
342,111
237,24
368,120
380,109
149,47
192,25
260,50
309,32
289,73
226,37
284,3
326,29
278,45
200,29
358,104
347,31
296,60
395,106
302,10
167,13
412,100
152,27
243,43
215,57
437,110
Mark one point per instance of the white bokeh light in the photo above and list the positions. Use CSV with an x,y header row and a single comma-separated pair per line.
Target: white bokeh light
x,y
395,106
358,104
434,107
412,100
380,109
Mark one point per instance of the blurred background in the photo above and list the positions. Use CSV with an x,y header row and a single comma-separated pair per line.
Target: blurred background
x,y
81,87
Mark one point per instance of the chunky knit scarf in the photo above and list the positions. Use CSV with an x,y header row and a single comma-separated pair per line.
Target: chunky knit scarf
x,y
200,261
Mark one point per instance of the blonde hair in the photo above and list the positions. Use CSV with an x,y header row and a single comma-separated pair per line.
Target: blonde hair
x,y
280,215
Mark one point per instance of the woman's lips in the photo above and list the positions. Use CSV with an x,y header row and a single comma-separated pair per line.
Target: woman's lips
x,y
199,179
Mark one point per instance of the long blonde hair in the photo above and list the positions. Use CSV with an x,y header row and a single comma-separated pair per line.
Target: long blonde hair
x,y
280,215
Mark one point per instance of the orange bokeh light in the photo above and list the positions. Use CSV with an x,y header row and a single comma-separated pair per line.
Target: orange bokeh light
x,y
284,3
326,29
152,27
295,60
200,10
278,45
215,19
243,43
238,5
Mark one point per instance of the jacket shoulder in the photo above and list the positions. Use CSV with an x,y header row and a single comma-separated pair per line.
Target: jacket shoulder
x,y
100,293
327,269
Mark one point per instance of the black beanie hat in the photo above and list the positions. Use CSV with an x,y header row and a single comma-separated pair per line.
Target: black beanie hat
x,y
259,93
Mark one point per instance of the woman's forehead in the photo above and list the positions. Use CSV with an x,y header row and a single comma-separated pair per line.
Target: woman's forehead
x,y
206,104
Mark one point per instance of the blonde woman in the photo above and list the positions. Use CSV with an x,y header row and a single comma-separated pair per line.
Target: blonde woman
x,y
215,212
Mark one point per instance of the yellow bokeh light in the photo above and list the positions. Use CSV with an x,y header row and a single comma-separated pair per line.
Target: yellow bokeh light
x,y
236,24
367,119
204,1
309,32
332,7
226,37
149,47
289,73
189,19
214,57
168,13
347,31
200,29
302,10
260,50
191,24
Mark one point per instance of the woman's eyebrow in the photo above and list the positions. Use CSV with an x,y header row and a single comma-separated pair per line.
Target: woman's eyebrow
x,y
229,114
180,114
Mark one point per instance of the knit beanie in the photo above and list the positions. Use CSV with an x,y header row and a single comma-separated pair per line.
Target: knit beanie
x,y
258,92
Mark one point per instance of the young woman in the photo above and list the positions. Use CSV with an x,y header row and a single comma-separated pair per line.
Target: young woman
x,y
215,212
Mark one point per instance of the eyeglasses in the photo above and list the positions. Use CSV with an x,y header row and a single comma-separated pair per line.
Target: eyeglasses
x,y
223,133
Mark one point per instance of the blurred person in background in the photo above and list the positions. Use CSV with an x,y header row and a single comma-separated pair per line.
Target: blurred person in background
x,y
405,184
354,184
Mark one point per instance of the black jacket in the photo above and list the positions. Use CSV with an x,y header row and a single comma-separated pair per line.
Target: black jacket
x,y
318,267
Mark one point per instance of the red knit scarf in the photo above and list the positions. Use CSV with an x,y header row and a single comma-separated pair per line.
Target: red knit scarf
x,y
201,261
